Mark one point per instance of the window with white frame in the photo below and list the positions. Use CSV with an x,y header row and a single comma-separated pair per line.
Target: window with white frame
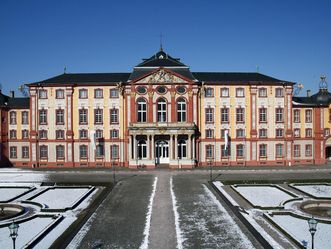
x,y
263,133
224,151
114,133
25,152
240,92
263,115
309,132
297,132
25,134
263,150
296,116
12,134
99,149
59,94
209,115
262,92
43,151
25,117
42,93
309,116
114,116
42,117
209,92
142,149
98,93
98,134
209,133
59,152
43,134
326,132
224,92
83,116
114,152
279,115
279,92
162,110
83,93
98,116
113,93
142,110
181,110
83,134
83,151
12,118
296,150
223,132
279,133
279,150
209,151
59,119
240,150
181,149
13,151
224,115
240,115
240,133
59,134
309,150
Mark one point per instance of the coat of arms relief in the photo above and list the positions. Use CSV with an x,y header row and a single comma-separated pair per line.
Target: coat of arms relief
x,y
162,77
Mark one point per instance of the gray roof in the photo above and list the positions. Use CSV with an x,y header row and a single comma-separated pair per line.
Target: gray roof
x,y
14,103
322,98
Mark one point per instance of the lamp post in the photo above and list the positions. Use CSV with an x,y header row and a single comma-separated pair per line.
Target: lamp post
x,y
312,229
113,167
13,228
210,161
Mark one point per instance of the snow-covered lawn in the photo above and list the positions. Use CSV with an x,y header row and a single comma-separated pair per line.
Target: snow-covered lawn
x,y
299,230
26,232
317,190
9,193
263,196
60,198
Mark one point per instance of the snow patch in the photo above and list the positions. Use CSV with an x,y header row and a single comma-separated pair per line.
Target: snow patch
x,y
219,185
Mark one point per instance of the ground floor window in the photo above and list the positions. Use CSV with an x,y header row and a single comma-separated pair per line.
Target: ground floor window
x,y
296,150
83,151
181,149
209,151
100,150
279,150
44,152
25,152
114,152
60,152
309,150
240,150
142,149
224,151
263,150
13,152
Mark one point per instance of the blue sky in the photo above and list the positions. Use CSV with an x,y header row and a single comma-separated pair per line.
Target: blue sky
x,y
286,39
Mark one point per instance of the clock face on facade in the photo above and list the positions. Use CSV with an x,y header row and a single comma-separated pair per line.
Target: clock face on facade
x,y
141,90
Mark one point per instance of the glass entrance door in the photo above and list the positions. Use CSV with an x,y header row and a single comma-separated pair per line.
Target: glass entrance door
x,y
162,152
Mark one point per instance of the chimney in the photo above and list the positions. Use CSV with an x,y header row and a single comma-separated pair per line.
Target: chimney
x,y
308,93
12,94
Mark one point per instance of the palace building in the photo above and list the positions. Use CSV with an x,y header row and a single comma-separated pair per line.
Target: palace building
x,y
162,114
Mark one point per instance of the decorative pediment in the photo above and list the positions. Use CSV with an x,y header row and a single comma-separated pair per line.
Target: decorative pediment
x,y
161,76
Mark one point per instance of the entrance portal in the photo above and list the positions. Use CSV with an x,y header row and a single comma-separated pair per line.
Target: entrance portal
x,y
162,152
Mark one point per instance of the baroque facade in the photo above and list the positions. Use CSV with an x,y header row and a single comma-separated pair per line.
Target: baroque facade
x,y
162,114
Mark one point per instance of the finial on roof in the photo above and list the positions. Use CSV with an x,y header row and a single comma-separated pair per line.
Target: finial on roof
x,y
161,45
65,70
323,83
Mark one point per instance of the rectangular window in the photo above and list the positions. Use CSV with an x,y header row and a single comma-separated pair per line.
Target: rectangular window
x,y
263,115
279,92
326,132
83,94
296,116
98,93
12,134
12,118
263,133
225,92
240,150
279,115
297,133
240,92
114,116
98,134
42,94
114,134
59,134
43,134
59,119
224,151
309,132
279,133
114,152
309,116
83,134
83,151
83,116
42,117
25,134
263,150
209,92
25,118
59,94
296,150
309,150
262,92
240,115
209,115
98,116
209,133
100,150
113,93
209,151
60,152
240,133
13,151
44,152
224,115
25,152
279,150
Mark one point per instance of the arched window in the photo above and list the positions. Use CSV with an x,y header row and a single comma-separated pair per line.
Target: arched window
x,y
181,149
181,110
142,110
162,111
142,149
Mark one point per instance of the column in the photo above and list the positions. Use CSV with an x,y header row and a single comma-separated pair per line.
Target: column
x,y
193,148
153,148
135,147
171,148
176,146
189,146
130,147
